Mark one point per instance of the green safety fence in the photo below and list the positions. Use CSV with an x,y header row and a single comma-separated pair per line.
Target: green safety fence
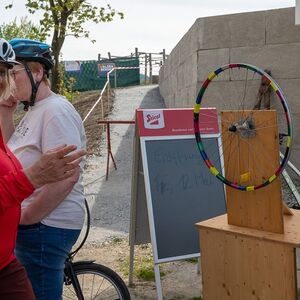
x,y
92,75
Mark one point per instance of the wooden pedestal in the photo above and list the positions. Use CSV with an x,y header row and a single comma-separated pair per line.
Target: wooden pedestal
x,y
240,263
256,158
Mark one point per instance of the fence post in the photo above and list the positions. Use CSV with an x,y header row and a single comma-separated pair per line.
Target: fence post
x,y
150,67
145,68
108,87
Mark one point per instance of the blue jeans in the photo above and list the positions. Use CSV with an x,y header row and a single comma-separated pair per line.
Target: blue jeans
x,y
42,250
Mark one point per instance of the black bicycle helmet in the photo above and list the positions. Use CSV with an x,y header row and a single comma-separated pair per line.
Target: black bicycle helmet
x,y
31,50
7,54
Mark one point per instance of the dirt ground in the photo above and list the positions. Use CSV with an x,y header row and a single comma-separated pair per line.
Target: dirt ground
x,y
179,279
93,130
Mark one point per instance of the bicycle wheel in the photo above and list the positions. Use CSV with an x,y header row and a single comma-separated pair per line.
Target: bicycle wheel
x,y
240,92
97,282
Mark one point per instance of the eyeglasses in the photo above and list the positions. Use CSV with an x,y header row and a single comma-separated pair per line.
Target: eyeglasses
x,y
14,72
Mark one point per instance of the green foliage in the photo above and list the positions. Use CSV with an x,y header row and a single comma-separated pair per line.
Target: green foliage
x,y
192,260
116,240
67,18
65,86
70,15
143,268
24,29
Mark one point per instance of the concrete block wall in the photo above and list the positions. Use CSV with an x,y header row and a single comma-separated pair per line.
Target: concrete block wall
x,y
267,39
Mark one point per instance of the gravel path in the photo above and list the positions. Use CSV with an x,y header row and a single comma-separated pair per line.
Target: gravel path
x,y
109,200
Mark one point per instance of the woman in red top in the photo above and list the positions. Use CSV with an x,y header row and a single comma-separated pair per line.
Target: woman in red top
x,y
17,184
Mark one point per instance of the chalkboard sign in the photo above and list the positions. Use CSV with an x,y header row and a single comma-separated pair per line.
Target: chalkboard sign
x,y
181,192
179,189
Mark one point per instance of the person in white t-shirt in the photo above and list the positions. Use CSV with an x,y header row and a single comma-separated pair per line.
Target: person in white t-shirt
x,y
49,227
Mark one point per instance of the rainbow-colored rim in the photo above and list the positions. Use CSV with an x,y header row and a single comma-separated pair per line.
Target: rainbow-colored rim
x,y
284,104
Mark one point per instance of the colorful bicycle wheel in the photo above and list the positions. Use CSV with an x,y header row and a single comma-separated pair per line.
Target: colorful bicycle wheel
x,y
242,93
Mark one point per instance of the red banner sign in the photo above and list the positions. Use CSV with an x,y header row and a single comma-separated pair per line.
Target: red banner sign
x,y
168,122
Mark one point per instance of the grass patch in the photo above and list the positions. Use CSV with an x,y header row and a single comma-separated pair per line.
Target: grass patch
x,y
116,240
143,267
193,260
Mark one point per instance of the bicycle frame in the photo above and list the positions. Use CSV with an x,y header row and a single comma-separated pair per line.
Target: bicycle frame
x,y
69,274
77,287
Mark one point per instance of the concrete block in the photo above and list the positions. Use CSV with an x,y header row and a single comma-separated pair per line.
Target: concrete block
x,y
173,83
184,98
176,57
229,95
168,67
192,94
189,68
189,44
283,60
295,155
210,60
161,73
236,30
180,77
280,26
169,100
290,89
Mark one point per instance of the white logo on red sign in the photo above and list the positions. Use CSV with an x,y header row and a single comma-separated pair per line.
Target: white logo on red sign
x,y
153,119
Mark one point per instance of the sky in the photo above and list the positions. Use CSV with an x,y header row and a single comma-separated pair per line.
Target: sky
x,y
149,25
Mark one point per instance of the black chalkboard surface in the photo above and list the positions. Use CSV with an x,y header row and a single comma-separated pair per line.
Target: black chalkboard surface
x,y
180,192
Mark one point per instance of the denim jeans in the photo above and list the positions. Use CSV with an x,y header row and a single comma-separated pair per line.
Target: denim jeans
x,y
42,250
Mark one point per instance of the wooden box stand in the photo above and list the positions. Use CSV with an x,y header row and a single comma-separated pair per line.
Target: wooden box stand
x,y
249,253
246,264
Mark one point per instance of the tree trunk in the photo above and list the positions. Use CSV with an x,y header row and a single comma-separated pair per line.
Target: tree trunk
x,y
55,80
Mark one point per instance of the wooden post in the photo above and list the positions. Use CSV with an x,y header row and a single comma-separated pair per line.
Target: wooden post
x,y
150,67
248,254
99,56
109,56
257,159
164,55
146,68
136,52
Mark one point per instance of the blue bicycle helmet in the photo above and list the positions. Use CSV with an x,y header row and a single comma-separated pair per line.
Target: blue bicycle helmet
x,y
31,50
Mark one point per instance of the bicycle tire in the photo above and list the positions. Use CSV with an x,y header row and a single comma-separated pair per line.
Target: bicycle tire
x,y
111,285
242,179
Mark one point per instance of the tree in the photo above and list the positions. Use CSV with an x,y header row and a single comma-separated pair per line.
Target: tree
x,y
67,17
26,29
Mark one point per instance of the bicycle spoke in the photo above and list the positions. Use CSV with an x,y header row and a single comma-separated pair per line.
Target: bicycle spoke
x,y
245,93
